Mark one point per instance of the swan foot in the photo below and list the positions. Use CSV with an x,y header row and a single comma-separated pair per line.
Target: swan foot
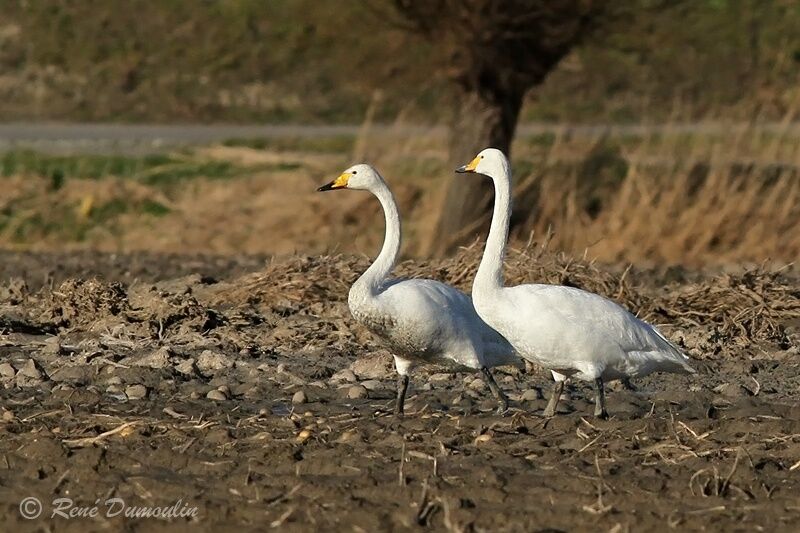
x,y
402,388
558,389
627,385
497,392
599,400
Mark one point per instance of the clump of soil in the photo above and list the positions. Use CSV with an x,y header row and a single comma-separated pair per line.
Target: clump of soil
x,y
78,302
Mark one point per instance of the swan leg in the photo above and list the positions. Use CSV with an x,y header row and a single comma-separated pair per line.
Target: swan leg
x,y
558,389
599,399
402,387
496,391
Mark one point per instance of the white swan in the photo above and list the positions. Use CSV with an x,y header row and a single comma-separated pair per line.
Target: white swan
x,y
421,320
566,330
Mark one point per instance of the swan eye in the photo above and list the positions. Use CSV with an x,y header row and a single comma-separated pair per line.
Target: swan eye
x,y
481,157
355,172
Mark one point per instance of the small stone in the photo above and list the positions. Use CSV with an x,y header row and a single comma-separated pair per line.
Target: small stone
x,y
357,391
194,395
349,437
52,346
303,436
344,375
299,398
224,389
29,375
216,395
441,376
480,439
8,416
509,379
210,362
186,367
7,371
477,384
136,392
116,392
372,367
264,412
29,370
531,395
156,359
318,384
372,384
114,380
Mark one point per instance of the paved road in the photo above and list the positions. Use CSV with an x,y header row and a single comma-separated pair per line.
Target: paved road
x,y
136,138
142,138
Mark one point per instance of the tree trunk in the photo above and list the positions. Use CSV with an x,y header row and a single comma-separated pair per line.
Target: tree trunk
x,y
484,119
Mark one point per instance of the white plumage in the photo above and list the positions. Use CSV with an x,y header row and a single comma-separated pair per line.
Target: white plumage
x,y
420,320
566,330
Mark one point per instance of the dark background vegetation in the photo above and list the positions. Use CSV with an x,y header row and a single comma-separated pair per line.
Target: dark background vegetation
x,y
309,61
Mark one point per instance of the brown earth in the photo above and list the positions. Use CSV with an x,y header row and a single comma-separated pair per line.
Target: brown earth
x,y
173,378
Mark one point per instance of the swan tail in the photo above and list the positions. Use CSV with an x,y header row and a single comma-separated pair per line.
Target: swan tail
x,y
670,358
681,367
674,360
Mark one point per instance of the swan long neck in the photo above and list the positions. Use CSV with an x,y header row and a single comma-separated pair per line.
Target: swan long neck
x,y
377,272
490,271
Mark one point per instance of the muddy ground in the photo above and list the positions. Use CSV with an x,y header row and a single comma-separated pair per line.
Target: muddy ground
x,y
244,389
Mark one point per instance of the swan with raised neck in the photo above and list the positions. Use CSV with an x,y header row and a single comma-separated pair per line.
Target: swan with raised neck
x,y
421,320
567,330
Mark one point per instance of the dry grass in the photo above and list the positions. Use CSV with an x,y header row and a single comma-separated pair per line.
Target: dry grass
x,y
657,219
696,197
705,195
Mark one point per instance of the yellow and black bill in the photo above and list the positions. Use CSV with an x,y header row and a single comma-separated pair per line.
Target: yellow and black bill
x,y
338,183
469,167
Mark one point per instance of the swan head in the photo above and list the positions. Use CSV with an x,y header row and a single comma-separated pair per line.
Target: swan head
x,y
490,162
358,177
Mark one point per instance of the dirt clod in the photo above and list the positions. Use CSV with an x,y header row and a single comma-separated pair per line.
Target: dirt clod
x,y
136,392
7,371
357,391
299,398
209,362
531,395
216,395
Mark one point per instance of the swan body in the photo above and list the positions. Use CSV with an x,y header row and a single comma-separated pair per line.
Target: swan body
x,y
425,321
420,320
572,332
578,333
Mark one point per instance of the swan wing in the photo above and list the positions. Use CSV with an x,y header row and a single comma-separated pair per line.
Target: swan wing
x,y
555,321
